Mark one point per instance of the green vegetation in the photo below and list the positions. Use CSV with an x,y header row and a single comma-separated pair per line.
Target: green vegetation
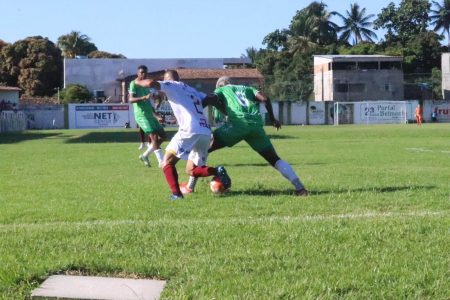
x,y
375,227
75,93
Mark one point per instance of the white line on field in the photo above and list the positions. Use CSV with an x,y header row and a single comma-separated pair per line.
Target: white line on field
x,y
426,150
240,221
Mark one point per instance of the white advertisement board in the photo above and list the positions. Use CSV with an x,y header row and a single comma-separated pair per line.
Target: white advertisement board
x,y
100,116
316,113
382,112
440,108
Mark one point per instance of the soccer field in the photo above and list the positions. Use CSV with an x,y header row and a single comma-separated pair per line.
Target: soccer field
x,y
376,225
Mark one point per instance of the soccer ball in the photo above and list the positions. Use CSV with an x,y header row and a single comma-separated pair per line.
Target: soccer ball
x,y
216,186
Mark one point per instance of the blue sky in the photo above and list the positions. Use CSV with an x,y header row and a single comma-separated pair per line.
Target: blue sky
x,y
161,29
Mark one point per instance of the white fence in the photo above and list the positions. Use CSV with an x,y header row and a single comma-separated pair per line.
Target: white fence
x,y
12,121
116,115
44,116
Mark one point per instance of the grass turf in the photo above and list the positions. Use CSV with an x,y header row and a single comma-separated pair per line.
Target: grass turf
x,y
375,226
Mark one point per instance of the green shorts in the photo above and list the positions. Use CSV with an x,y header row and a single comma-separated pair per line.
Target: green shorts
x,y
229,135
149,124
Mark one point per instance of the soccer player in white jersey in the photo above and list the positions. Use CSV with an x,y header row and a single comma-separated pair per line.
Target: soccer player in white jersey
x,y
191,142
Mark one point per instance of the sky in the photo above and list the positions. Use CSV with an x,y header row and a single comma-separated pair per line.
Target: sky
x,y
162,29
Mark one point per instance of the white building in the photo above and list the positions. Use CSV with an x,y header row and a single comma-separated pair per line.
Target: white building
x,y
358,77
104,75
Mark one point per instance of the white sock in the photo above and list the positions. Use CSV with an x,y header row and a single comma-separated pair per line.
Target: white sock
x,y
192,182
148,151
159,156
149,145
286,170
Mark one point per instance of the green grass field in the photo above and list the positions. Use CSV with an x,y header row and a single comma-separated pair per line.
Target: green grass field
x,y
376,225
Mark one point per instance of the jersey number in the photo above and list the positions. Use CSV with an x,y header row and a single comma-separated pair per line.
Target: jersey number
x,y
242,99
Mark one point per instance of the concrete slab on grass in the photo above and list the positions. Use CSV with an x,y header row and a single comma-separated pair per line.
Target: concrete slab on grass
x,y
87,287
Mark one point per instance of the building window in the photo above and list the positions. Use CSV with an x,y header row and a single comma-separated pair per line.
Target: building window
x,y
368,65
341,87
349,87
388,65
356,87
343,65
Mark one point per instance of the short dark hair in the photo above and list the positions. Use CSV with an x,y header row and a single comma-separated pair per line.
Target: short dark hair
x,y
142,67
173,74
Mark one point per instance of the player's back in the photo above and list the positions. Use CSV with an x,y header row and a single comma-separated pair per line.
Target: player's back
x,y
241,104
186,103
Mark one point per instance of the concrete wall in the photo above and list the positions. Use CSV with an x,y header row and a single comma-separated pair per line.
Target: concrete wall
x,y
102,74
445,65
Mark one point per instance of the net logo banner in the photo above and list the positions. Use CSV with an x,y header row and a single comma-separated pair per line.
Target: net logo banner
x,y
99,116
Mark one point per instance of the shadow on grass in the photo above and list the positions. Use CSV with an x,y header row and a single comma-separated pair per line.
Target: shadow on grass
x,y
131,136
273,192
387,189
18,137
280,136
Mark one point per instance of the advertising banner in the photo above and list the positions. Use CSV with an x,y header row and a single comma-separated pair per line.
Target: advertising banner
x,y
383,112
436,111
316,113
100,116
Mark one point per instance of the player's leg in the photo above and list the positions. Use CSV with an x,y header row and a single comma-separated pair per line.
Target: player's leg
x,y
157,138
224,136
171,174
174,152
145,127
196,164
156,134
260,142
141,138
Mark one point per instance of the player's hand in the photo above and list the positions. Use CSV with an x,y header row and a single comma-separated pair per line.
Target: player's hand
x,y
276,124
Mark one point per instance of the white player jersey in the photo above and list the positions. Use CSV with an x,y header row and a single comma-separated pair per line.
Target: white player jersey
x,y
186,103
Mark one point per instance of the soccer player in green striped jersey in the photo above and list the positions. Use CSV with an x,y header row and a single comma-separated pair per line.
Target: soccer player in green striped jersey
x,y
145,116
244,122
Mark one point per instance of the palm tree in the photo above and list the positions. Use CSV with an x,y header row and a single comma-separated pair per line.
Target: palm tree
x,y
441,17
73,44
355,24
313,23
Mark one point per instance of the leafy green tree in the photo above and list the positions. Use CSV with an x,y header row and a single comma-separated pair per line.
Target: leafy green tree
x,y
251,53
440,17
103,54
356,24
75,93
362,48
276,40
74,44
404,22
436,83
33,64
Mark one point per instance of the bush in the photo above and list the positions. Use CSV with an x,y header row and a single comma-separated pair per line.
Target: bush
x,y
75,93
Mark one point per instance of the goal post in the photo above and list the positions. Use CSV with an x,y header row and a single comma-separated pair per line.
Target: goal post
x,y
370,112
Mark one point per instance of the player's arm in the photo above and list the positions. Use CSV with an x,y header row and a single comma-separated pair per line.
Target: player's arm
x,y
213,100
132,96
264,99
149,83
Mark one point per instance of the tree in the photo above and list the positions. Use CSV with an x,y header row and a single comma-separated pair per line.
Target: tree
x,y
440,18
251,53
318,25
74,44
403,23
276,40
75,93
103,54
33,64
355,25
